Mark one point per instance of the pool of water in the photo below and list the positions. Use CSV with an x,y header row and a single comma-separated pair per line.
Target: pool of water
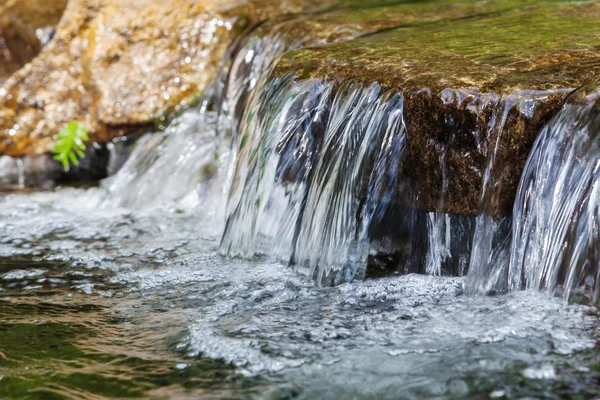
x,y
102,301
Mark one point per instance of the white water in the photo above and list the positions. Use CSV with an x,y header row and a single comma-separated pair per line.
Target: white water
x,y
305,157
556,236
550,242
398,337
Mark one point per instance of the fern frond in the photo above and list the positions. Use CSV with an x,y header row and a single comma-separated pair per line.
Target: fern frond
x,y
70,145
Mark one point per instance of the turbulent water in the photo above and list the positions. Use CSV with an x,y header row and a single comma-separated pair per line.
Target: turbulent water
x,y
121,302
173,278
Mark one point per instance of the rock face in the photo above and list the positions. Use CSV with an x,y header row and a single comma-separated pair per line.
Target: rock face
x,y
477,92
119,65
24,27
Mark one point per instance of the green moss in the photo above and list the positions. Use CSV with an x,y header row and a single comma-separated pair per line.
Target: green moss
x,y
23,344
500,46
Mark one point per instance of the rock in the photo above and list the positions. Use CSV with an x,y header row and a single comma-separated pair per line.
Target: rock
x,y
25,26
122,65
509,69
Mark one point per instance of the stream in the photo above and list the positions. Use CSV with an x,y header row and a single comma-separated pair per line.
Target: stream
x,y
120,291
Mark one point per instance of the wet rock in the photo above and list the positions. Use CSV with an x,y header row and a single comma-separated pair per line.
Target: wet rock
x,y
118,65
477,92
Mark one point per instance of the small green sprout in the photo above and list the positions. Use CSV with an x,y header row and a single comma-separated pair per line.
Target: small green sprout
x,y
70,144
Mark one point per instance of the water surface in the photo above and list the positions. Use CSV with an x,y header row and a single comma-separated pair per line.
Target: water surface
x,y
104,301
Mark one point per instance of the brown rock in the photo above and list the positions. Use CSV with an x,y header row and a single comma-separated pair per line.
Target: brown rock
x,y
118,65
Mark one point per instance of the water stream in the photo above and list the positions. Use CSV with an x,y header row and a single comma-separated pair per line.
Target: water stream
x,y
216,270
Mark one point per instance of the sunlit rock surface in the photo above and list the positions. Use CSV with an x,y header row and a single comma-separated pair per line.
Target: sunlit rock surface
x,y
119,65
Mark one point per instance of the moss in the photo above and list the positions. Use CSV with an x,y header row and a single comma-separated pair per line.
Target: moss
x,y
534,47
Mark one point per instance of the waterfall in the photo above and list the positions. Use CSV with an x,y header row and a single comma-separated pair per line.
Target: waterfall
x,y
440,241
557,210
551,241
492,237
311,173
314,167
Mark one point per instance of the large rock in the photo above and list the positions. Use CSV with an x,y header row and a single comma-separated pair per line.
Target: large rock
x,y
119,65
477,92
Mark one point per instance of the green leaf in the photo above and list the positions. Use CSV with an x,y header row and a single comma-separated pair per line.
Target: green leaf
x,y
70,144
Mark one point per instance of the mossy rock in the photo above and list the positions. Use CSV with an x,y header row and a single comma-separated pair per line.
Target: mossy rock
x,y
514,61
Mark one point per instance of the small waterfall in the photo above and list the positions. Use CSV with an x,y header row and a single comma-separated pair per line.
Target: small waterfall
x,y
362,142
492,239
556,233
440,241
279,109
315,178
170,167
551,241
307,155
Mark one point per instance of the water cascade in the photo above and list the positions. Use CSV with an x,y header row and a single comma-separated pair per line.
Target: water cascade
x,y
551,241
305,155
314,178
492,237
555,234
339,199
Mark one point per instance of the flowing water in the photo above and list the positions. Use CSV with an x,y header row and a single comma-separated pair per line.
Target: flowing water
x,y
205,270
551,242
101,301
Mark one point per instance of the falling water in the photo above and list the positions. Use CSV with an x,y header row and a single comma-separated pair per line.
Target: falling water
x,y
551,241
247,72
492,239
172,167
306,152
557,210
440,241
315,173
310,173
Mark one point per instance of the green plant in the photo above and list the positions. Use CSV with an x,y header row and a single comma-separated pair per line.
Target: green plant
x,y
70,144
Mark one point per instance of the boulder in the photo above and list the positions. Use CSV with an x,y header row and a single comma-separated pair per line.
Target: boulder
x,y
25,26
122,65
